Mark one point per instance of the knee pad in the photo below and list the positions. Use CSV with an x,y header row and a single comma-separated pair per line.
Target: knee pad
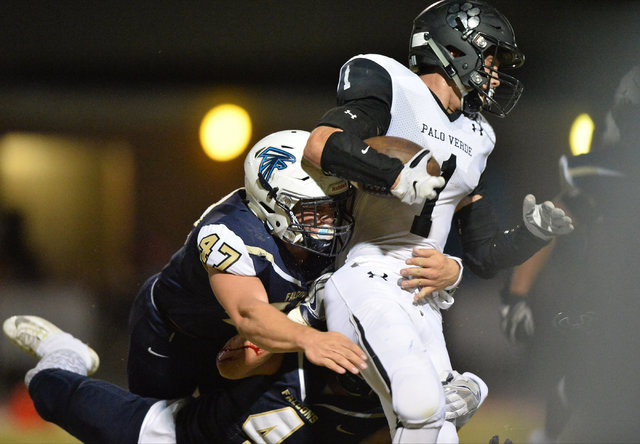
x,y
417,396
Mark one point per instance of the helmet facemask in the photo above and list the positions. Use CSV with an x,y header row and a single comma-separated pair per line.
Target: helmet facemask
x,y
506,91
458,36
322,225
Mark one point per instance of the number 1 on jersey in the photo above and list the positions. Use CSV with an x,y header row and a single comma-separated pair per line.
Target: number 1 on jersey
x,y
422,223
345,80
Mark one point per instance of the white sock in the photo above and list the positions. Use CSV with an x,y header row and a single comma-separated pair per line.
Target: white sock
x,y
61,351
64,341
63,359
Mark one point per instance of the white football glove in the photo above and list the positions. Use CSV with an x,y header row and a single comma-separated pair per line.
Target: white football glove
x,y
415,185
464,394
545,220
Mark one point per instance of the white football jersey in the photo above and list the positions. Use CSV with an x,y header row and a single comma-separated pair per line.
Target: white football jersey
x,y
383,224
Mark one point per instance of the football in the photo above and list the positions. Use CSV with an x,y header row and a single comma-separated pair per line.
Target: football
x,y
401,149
240,358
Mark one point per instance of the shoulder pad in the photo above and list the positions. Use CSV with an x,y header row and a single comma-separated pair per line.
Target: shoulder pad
x,y
224,250
361,78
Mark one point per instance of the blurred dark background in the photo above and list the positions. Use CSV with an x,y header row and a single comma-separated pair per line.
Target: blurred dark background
x,y
102,174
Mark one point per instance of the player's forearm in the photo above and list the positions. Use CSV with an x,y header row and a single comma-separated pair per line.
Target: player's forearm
x,y
488,249
344,154
270,329
505,249
525,275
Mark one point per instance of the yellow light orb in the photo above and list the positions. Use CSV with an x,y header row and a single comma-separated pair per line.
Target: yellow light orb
x,y
581,134
225,132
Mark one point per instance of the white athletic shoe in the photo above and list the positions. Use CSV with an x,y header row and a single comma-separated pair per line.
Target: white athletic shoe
x,y
27,332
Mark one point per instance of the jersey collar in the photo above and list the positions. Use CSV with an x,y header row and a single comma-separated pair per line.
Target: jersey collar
x,y
451,116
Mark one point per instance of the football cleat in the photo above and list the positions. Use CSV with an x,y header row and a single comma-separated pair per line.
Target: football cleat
x,y
27,332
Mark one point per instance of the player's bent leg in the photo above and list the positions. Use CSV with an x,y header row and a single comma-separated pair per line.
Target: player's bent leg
x,y
41,338
91,410
156,367
418,400
398,361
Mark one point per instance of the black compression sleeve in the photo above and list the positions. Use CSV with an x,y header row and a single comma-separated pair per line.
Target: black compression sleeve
x,y
486,248
347,156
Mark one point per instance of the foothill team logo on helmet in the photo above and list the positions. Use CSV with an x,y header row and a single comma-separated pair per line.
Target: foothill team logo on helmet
x,y
274,159
465,14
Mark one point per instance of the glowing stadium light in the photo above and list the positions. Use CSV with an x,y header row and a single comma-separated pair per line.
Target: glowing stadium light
x,y
581,134
225,132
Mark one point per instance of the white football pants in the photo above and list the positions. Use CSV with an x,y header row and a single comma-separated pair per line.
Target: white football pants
x,y
404,343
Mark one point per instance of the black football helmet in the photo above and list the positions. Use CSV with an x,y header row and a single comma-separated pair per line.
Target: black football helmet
x,y
457,36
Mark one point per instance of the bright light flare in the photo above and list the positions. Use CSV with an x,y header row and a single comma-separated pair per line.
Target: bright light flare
x,y
581,134
225,132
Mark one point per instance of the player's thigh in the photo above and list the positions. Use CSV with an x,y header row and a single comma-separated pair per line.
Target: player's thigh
x,y
428,318
160,362
337,312
378,315
402,340
372,296
356,288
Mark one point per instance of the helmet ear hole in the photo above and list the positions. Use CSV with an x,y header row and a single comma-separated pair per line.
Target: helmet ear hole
x,y
455,52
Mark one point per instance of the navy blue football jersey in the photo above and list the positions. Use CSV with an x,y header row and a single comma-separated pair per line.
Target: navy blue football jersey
x,y
231,239
297,405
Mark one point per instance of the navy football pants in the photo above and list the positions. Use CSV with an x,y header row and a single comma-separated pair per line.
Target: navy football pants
x,y
91,410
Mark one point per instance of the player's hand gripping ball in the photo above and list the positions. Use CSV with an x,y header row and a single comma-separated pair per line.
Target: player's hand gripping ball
x,y
412,183
401,149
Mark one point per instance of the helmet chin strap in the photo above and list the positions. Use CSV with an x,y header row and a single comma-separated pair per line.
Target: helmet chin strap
x,y
424,38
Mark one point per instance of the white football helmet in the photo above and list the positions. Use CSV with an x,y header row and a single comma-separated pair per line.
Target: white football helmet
x,y
281,185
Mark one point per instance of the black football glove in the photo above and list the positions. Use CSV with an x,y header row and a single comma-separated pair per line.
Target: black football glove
x,y
516,317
